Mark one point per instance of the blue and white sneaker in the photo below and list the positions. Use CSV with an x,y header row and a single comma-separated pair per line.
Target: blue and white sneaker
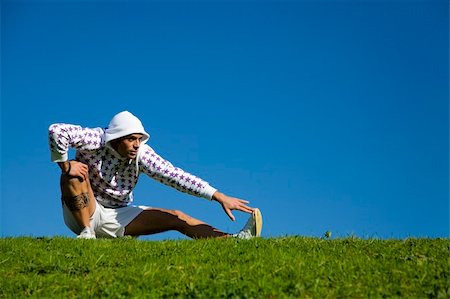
x,y
252,228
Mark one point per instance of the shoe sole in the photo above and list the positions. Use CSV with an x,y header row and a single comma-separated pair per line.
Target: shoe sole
x,y
258,222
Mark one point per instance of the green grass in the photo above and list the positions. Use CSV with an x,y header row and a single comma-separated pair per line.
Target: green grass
x,y
295,267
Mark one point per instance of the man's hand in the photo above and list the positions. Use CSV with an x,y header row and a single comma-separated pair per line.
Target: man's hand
x,y
230,203
75,169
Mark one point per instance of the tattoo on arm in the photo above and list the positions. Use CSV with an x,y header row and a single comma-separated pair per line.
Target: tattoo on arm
x,y
77,202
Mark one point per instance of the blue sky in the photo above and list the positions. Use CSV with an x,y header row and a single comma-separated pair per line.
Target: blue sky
x,y
328,115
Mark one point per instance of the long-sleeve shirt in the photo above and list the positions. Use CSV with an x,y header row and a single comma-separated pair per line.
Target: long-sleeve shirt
x,y
114,177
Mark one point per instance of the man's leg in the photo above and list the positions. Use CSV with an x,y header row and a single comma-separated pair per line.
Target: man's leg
x,y
154,220
79,198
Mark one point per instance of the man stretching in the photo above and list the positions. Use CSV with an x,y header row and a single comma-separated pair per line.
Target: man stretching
x,y
97,186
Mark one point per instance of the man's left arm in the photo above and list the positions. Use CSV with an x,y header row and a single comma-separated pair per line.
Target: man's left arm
x,y
163,171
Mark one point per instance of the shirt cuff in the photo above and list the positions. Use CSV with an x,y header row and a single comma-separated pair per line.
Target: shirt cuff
x,y
57,157
209,192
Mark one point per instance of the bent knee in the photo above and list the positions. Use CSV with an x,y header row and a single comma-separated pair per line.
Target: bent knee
x,y
71,186
73,180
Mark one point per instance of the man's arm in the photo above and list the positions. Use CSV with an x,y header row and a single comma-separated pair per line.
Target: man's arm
x,y
163,171
65,166
64,136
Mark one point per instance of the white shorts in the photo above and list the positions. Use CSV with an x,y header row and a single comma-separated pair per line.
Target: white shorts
x,y
106,222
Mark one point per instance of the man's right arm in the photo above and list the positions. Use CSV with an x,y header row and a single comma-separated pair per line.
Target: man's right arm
x,y
65,166
64,136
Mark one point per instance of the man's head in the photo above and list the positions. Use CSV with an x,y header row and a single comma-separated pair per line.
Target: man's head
x,y
125,134
127,146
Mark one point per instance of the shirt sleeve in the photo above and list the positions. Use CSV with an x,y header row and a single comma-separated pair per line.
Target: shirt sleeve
x,y
163,171
65,136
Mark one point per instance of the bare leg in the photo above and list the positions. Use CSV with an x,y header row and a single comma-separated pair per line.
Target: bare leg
x,y
77,195
154,220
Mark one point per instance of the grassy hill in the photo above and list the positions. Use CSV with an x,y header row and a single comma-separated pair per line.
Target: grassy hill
x,y
260,268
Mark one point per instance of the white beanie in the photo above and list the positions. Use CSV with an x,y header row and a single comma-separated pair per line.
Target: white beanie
x,y
123,124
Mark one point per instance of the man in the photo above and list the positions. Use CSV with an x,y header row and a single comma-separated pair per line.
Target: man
x,y
96,187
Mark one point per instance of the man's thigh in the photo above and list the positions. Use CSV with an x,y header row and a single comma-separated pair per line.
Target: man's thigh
x,y
152,221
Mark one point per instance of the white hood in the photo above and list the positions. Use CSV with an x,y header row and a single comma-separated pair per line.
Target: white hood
x,y
123,124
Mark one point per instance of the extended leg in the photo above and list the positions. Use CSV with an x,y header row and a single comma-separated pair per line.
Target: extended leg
x,y
154,220
78,197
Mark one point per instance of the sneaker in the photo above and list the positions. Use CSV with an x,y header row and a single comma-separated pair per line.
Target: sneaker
x,y
252,228
86,233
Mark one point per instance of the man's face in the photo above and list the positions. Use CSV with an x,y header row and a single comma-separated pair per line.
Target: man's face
x,y
128,146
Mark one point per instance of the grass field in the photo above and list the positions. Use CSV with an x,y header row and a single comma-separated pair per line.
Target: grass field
x,y
295,267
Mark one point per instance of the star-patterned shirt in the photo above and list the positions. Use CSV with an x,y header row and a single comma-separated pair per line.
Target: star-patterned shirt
x,y
113,177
